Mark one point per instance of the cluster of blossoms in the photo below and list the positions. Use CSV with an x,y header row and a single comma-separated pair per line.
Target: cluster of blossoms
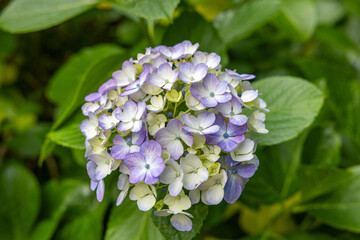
x,y
174,125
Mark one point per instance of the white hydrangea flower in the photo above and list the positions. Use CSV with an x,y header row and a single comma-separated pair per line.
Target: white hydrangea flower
x,y
193,103
213,188
155,122
145,195
157,104
179,203
244,151
194,172
90,127
212,152
172,175
123,185
179,221
256,122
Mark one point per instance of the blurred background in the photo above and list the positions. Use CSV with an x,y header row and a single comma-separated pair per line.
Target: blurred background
x,y
53,53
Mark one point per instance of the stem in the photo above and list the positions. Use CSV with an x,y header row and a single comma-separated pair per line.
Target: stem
x,y
176,104
151,31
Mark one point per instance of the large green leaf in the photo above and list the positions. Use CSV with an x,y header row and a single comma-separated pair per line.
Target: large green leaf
x,y
22,16
276,176
20,201
316,181
58,198
128,222
68,136
340,209
237,23
83,75
293,104
297,18
149,9
199,212
78,66
322,147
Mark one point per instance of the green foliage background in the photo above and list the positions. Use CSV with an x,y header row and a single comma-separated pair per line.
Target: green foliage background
x,y
305,53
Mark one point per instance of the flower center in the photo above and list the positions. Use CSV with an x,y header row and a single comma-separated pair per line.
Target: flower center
x,y
158,123
200,128
177,137
166,81
232,113
138,85
195,170
110,110
128,143
234,171
218,182
212,94
239,94
170,114
147,166
226,135
133,119
177,174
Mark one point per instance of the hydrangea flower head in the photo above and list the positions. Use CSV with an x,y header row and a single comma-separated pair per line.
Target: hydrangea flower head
x,y
172,120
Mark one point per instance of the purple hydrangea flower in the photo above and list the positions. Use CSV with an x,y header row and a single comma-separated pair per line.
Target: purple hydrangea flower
x,y
131,116
172,53
132,144
190,73
190,48
203,124
146,165
211,60
238,175
126,75
228,136
109,121
232,111
210,92
164,77
135,86
234,78
170,136
103,89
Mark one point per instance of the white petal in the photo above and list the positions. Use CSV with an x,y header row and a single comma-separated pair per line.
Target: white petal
x,y
194,196
215,194
146,203
181,222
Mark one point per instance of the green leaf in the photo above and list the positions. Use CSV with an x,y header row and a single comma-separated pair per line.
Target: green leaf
x,y
329,11
68,136
70,74
87,227
336,38
297,18
340,209
276,176
199,212
82,75
58,197
322,147
128,222
20,201
238,23
149,9
22,16
191,26
317,181
293,104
